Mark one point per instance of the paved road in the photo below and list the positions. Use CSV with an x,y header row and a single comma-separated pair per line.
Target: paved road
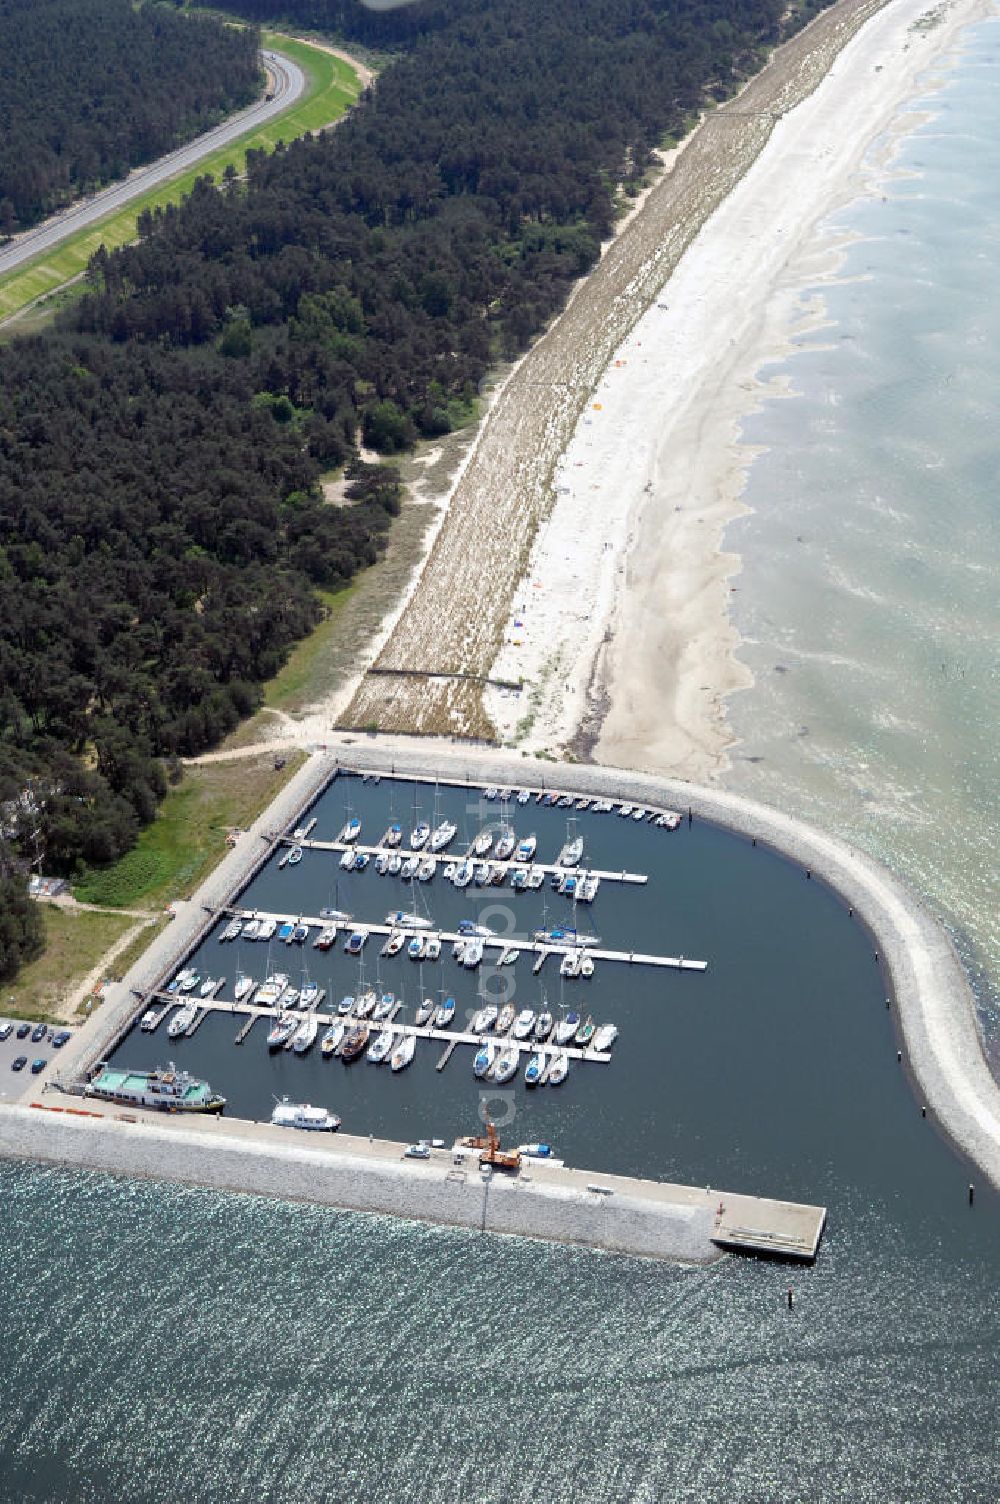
x,y
289,83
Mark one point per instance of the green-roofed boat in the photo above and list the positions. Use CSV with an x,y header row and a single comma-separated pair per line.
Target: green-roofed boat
x,y
167,1090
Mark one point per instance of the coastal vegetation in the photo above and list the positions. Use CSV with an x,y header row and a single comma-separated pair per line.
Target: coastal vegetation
x,y
92,88
75,941
162,526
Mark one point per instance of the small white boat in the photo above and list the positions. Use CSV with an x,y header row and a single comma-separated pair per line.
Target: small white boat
x,y
393,836
534,1068
403,1054
604,1037
182,1020
583,804
308,995
543,1026
301,1115
382,863
506,1017
483,842
473,953
600,807
270,990
490,793
565,801
445,1013
395,865
251,930
333,1038
305,1035
149,1020
209,986
350,831
355,942
427,869
481,872
639,814
327,935
504,849
625,810
567,1027
295,856
571,852
365,1004
424,1012
384,1006
526,849
417,1151
281,1030
403,920
506,1064
291,998
244,984
444,833
523,796
484,1019
432,949
394,944
524,1023
415,949
381,1046
266,929
420,836
536,877
463,874
559,1069
509,956
188,981
232,929
483,1059
348,859
589,884
586,964
410,867
570,964
345,1006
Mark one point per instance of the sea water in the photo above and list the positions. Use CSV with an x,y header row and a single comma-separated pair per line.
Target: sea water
x,y
868,597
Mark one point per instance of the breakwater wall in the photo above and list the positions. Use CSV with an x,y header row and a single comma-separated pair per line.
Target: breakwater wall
x,y
928,986
617,1214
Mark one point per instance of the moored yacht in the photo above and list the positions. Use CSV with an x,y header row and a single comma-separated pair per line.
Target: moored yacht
x,y
444,833
301,1115
403,1054
333,1038
305,1035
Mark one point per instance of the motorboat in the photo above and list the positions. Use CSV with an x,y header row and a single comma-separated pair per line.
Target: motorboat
x,y
345,1006
361,861
567,1027
483,1059
463,874
294,856
444,833
415,949
587,888
382,863
506,1017
583,803
600,807
347,860
305,1035
424,1011
355,1043
394,944
508,956
281,1030
570,964
350,831
427,869
266,929
559,1069
519,879
308,995
381,1046
188,981
490,793
506,1064
504,794
270,990
410,867
639,814
526,849
504,848
417,1151
291,998
458,949
149,1020
333,1038
404,920
251,930
395,865
393,835
444,1014
402,1055
604,1037
565,801
208,987
300,934
523,796
535,1067
483,842
355,942
285,930
625,810
432,949
484,1018
231,930
470,927
326,937
301,1115
571,853
536,877
481,873
540,960
473,953
543,1025
420,835
384,1006
586,964
449,870
524,1023
585,1033
182,1020
364,1007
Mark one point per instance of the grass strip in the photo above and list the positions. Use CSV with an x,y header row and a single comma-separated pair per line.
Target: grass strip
x,y
75,941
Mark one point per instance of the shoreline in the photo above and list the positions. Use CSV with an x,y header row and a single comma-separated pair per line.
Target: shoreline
x,y
630,641
931,996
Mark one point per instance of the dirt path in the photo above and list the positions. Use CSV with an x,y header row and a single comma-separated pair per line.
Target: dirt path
x,y
455,619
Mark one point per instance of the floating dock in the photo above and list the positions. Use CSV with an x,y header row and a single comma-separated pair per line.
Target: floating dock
x,y
444,857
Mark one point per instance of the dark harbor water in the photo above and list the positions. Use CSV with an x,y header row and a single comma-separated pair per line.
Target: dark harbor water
x,y
165,1343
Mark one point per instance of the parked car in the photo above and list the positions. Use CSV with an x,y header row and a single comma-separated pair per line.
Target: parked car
x,y
6,1029
38,1065
23,1030
19,1062
61,1037
38,1033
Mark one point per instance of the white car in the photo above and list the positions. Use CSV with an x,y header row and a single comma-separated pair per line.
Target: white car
x,y
6,1029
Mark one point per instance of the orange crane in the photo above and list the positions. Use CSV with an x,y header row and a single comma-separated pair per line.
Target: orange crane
x,y
493,1155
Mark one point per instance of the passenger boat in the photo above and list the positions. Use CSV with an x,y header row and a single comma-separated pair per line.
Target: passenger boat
x,y
270,990
408,920
567,1027
483,842
604,1037
333,1039
394,944
365,1004
505,1018
427,869
281,1030
506,1064
415,949
444,1013
402,1055
410,867
484,1018
295,856
523,1023
305,1035
266,929
444,833
182,1020
355,942
232,929
355,1043
483,1059
384,1006
559,1069
473,953
534,1068
432,949
393,836
585,1033
543,1026
286,930
300,1115
348,859
506,841
424,1011
381,1046
251,930
167,1090
350,831
420,835
326,937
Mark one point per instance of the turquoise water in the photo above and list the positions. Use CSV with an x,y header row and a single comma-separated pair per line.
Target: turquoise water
x,y
871,562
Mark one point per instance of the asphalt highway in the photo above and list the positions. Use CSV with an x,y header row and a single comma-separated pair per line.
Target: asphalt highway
x,y
289,82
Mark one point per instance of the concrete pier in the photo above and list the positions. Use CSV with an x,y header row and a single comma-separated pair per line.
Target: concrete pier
x,y
643,1218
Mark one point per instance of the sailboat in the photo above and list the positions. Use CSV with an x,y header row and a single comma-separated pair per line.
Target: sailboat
x,y
484,1058
572,849
305,1035
403,1053
333,1038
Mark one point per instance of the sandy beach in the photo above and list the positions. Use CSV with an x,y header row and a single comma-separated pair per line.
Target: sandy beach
x,y
621,624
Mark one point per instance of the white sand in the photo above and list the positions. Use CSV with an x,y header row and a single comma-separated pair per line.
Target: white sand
x,y
632,549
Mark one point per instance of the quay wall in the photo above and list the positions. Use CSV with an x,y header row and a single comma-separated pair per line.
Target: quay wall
x,y
297,1167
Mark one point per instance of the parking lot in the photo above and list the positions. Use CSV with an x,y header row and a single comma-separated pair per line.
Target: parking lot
x,y
14,1084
